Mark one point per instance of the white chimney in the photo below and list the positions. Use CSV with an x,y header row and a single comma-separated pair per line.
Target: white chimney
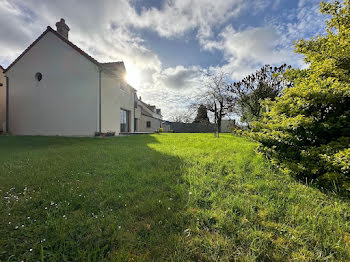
x,y
62,28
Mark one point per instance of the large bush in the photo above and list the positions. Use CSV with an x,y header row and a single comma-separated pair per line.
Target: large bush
x,y
306,131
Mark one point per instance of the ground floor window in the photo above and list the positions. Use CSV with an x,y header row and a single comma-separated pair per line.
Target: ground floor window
x,y
148,123
124,120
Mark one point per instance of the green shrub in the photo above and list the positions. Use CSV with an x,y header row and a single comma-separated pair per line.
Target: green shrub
x,y
306,131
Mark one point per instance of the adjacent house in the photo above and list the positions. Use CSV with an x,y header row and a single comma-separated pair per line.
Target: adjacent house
x,y
2,100
55,88
148,118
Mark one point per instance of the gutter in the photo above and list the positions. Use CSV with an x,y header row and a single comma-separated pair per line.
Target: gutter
x,y
7,105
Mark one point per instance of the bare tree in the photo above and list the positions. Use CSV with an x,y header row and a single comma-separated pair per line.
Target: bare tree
x,y
185,117
215,97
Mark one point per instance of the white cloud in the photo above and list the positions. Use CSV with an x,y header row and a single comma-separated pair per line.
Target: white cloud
x,y
178,77
178,17
247,50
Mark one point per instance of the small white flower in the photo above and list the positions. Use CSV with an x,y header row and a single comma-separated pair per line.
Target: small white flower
x,y
16,227
119,227
45,208
22,225
31,250
28,217
9,223
168,208
190,193
170,199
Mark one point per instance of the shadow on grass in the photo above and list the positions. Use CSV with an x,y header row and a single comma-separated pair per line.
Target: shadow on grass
x,y
89,199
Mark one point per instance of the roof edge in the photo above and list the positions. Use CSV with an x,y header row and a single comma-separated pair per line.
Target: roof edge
x,y
26,50
49,29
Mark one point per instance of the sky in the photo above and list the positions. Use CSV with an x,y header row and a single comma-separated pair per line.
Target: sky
x,y
166,45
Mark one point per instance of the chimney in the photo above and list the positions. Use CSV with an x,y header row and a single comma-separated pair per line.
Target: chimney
x,y
62,28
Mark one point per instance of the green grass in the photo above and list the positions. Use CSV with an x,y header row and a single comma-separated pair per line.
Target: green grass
x,y
175,197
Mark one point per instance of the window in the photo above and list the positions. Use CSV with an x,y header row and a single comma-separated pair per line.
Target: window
x,y
38,76
148,124
124,120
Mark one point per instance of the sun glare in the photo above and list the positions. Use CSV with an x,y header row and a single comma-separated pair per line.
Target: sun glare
x,y
133,77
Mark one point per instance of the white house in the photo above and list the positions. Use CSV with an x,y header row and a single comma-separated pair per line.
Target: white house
x,y
2,100
55,88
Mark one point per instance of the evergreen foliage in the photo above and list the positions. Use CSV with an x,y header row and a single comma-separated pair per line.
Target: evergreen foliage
x,y
202,115
247,94
306,131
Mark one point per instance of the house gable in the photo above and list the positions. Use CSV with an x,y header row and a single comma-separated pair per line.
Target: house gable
x,y
64,101
49,29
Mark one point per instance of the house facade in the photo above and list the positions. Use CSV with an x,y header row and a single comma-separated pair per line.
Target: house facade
x,y
55,88
2,100
148,118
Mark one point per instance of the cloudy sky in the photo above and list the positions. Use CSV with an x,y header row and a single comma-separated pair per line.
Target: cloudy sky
x,y
165,44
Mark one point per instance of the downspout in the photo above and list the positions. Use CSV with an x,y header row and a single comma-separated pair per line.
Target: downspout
x,y
134,115
7,105
99,102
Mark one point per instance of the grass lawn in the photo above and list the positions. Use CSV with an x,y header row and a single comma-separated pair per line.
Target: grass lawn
x,y
176,197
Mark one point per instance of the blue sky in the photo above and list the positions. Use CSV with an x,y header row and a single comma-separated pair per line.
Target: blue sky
x,y
166,44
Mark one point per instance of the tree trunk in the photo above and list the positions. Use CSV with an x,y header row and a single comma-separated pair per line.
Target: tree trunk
x,y
216,120
219,125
